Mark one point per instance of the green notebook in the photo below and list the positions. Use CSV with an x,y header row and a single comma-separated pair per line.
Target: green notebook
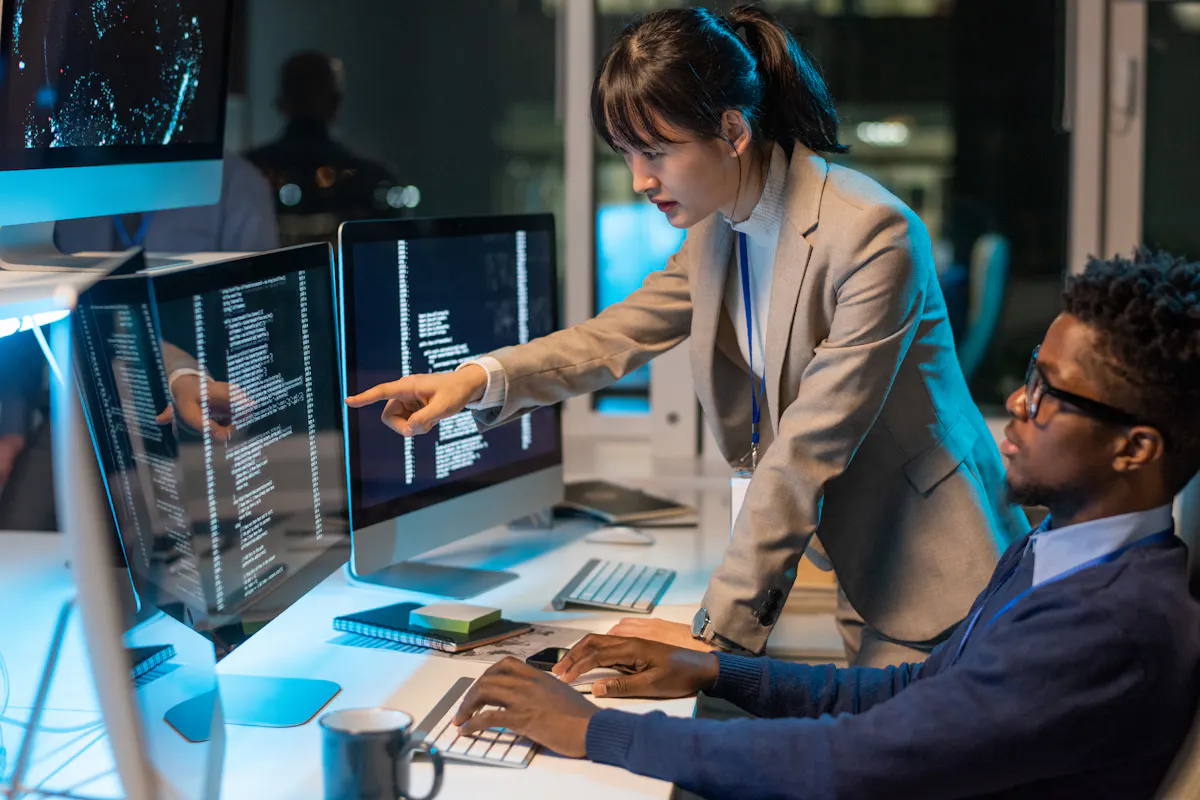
x,y
454,617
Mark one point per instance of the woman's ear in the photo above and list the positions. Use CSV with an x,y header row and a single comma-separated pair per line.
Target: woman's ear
x,y
736,132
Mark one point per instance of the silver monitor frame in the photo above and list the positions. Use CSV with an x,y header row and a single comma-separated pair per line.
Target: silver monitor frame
x,y
381,551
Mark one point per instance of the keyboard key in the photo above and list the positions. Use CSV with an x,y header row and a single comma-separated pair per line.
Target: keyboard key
x,y
610,586
618,590
446,736
635,577
460,745
518,752
481,743
650,593
598,580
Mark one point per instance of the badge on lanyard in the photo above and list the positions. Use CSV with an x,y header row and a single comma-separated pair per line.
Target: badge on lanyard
x,y
739,483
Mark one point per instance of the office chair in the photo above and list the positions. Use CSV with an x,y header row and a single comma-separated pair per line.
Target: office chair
x,y
989,278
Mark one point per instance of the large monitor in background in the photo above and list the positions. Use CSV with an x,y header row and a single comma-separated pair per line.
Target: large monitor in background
x,y
214,402
632,240
425,296
110,107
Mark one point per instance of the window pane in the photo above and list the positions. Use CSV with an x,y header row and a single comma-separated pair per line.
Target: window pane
x,y
455,98
1172,128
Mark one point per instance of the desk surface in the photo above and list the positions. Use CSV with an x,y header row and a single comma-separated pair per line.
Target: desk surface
x,y
264,762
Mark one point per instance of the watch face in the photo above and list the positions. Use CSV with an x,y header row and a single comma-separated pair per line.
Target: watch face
x,y
698,622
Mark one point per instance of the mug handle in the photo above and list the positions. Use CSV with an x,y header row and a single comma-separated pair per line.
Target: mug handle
x,y
435,758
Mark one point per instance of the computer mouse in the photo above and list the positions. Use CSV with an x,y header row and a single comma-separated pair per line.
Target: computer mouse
x,y
583,684
618,534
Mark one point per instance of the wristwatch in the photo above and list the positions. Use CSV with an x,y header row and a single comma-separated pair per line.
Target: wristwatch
x,y
701,624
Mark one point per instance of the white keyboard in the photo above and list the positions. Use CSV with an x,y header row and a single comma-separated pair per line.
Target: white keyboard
x,y
497,748
615,586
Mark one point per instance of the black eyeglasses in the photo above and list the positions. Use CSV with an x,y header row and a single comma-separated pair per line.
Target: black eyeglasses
x,y
1037,387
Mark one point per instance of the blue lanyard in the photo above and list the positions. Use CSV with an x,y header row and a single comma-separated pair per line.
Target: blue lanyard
x,y
1144,541
138,237
755,396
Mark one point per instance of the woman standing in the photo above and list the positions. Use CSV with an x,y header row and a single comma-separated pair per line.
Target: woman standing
x,y
820,345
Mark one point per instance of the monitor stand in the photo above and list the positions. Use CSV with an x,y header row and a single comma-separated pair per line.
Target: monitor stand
x,y
457,583
253,701
31,248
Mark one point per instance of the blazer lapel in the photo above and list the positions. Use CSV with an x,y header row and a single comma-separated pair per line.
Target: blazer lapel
x,y
805,184
707,301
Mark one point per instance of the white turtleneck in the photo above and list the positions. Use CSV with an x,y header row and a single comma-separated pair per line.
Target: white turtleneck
x,y
762,235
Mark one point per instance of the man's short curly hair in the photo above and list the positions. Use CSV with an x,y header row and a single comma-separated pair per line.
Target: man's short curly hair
x,y
1146,313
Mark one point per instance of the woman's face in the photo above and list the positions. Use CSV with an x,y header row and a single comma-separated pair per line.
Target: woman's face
x,y
690,179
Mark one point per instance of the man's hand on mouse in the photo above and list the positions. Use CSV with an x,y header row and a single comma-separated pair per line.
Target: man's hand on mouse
x,y
656,670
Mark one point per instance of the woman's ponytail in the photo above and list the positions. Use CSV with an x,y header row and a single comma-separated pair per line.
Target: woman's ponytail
x,y
795,105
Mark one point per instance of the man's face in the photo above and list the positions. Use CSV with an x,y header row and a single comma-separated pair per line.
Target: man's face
x,y
1062,456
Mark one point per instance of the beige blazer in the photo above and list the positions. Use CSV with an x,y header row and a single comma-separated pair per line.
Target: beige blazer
x,y
873,439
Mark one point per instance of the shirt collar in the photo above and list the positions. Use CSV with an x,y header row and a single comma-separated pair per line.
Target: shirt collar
x,y
764,221
1059,550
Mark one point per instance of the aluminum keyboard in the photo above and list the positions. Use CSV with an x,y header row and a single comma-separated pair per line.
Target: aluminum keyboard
x,y
617,586
497,748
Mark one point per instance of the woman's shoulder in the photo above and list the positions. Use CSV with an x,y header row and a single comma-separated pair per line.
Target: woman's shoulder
x,y
851,193
832,195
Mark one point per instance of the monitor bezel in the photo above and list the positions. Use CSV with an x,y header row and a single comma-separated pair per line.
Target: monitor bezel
x,y
49,158
167,285
374,231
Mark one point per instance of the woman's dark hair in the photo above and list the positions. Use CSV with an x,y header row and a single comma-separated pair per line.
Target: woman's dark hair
x,y
1146,314
685,67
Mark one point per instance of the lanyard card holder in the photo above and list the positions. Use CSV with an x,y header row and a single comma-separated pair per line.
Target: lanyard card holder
x,y
739,483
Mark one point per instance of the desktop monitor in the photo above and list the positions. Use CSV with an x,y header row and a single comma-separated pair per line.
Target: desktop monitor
x,y
424,296
109,108
213,397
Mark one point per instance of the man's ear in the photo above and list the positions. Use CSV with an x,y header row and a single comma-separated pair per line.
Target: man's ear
x,y
736,132
1141,446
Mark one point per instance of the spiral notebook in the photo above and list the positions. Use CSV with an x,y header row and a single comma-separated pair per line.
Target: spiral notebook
x,y
392,623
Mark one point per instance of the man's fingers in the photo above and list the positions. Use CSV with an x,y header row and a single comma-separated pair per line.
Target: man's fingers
x,y
383,391
167,416
582,648
490,690
628,686
620,654
491,718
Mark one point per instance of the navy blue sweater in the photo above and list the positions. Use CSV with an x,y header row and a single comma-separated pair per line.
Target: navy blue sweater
x,y
1084,688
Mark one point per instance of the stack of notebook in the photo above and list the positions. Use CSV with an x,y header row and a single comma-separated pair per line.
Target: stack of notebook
x,y
449,627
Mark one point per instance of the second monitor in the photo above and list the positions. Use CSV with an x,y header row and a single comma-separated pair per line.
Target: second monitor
x,y
425,296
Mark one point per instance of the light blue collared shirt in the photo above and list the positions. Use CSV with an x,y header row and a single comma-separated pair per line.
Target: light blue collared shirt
x,y
1058,550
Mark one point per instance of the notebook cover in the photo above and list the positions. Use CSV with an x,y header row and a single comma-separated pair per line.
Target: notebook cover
x,y
617,504
392,623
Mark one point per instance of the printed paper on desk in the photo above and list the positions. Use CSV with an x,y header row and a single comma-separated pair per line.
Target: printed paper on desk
x,y
739,482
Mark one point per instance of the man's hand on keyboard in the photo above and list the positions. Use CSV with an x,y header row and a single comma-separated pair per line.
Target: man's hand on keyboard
x,y
656,670
675,634
529,702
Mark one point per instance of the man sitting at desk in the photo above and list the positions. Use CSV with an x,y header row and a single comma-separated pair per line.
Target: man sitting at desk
x,y
1076,672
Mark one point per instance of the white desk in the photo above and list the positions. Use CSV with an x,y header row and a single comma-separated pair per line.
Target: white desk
x,y
286,763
